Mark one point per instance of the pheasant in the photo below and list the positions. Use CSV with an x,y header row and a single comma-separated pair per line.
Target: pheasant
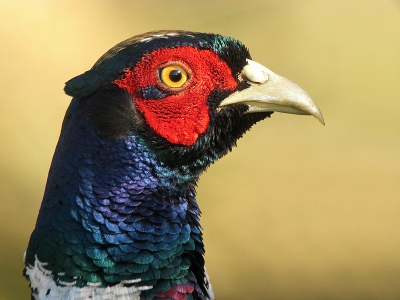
x,y
119,217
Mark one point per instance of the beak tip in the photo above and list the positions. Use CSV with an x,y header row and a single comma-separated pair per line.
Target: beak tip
x,y
318,115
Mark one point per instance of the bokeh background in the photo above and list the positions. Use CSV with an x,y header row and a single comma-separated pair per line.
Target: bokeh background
x,y
297,210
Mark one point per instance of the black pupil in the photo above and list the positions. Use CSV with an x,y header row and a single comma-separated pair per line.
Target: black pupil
x,y
175,75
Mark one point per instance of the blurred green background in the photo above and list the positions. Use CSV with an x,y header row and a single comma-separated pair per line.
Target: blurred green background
x,y
298,210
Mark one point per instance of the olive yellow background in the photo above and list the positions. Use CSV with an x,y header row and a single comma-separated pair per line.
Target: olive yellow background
x,y
298,210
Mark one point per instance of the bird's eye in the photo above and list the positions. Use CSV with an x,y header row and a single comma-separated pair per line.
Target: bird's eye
x,y
173,76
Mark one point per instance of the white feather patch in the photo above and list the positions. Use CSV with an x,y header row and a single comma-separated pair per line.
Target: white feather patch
x,y
210,289
158,36
45,288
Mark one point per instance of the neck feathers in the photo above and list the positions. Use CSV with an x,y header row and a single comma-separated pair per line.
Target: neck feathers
x,y
114,216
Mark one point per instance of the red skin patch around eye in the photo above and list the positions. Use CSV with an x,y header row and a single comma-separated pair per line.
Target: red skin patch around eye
x,y
182,116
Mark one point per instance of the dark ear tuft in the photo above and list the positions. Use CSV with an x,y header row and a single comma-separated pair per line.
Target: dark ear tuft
x,y
82,85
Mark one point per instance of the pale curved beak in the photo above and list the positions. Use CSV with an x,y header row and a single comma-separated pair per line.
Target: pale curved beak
x,y
270,92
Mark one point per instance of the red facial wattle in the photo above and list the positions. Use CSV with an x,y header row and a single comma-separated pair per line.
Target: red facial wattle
x,y
182,114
